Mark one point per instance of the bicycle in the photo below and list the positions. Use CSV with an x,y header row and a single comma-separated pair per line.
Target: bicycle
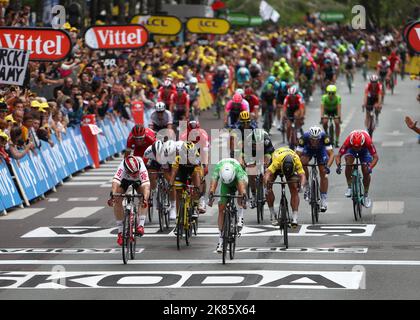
x,y
372,116
162,200
129,223
230,230
283,217
185,223
259,185
357,189
331,130
293,139
349,79
315,193
220,102
268,117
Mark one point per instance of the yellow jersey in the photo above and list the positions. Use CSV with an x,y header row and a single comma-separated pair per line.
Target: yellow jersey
x,y
278,158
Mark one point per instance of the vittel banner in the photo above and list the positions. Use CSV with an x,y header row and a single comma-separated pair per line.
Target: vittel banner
x,y
44,44
105,37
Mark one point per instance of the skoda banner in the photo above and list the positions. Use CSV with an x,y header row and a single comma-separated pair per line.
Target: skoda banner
x,y
208,26
162,25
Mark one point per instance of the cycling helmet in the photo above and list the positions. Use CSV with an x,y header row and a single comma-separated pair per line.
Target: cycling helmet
x,y
240,91
254,62
237,98
315,132
288,166
220,68
167,83
138,131
276,64
373,78
187,148
158,147
292,91
283,85
244,116
308,63
242,63
282,61
131,165
331,89
227,173
193,124
180,86
169,148
160,107
327,61
243,70
384,59
249,91
256,136
357,139
193,80
271,79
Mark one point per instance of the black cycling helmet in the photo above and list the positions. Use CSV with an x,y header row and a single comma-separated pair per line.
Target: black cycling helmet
x,y
288,166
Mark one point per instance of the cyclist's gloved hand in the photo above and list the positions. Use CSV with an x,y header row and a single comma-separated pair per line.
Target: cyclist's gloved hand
x,y
211,199
243,200
327,170
145,203
110,202
338,169
370,169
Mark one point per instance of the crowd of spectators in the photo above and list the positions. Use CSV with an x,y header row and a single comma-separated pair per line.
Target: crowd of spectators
x,y
56,95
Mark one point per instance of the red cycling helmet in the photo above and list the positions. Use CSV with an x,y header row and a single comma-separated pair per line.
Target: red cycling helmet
x,y
237,98
131,165
138,131
292,91
249,91
357,139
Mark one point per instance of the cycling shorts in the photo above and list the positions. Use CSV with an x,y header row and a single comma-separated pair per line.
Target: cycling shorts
x,y
320,155
126,183
185,172
364,155
331,113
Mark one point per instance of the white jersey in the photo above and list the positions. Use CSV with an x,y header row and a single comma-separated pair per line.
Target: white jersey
x,y
142,176
163,122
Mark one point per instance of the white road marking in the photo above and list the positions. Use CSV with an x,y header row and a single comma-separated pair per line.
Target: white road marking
x,y
82,199
83,178
21,214
111,165
63,250
52,199
299,250
100,174
79,212
106,185
386,144
217,261
103,170
83,183
395,133
388,207
306,230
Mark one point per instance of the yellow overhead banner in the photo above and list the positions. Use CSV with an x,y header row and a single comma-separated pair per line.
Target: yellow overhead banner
x,y
164,25
208,25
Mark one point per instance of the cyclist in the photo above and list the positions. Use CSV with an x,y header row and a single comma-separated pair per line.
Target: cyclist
x,y
287,75
394,66
166,91
271,80
233,178
253,102
293,111
358,145
268,103
194,93
349,66
276,70
256,71
242,93
152,159
281,95
258,140
200,138
285,162
186,166
131,171
316,143
306,76
233,108
373,97
243,76
180,103
139,139
160,118
329,74
383,69
331,107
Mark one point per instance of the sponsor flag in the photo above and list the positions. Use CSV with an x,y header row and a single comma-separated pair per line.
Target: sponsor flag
x,y
267,12
13,64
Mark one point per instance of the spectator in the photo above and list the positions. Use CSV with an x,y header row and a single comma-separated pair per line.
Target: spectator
x,y
42,133
57,124
17,147
4,138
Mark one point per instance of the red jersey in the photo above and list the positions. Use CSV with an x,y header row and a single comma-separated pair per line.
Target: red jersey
x,y
368,144
393,59
253,102
181,102
293,102
165,95
370,92
197,136
141,146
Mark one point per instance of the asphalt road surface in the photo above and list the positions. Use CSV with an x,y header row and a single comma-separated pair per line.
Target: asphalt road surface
x,y
64,245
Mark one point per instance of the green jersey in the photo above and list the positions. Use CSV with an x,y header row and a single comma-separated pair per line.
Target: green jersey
x,y
240,174
330,105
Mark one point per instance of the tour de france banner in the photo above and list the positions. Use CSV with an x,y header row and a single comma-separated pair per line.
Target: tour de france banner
x,y
159,25
44,44
13,64
9,195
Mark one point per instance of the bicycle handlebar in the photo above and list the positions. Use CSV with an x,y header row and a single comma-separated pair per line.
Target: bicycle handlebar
x,y
124,195
227,196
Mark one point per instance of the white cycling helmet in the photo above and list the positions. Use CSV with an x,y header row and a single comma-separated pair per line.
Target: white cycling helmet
x,y
193,80
227,173
160,107
242,63
243,70
169,148
315,132
180,86
240,91
158,147
167,83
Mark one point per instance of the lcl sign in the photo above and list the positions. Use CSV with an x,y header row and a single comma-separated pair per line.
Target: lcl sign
x,y
208,26
162,25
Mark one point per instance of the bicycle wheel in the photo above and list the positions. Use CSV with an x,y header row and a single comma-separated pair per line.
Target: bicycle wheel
x,y
314,201
180,224
125,248
284,223
348,78
355,197
187,225
260,200
226,229
133,241
331,133
371,124
150,208
161,208
233,234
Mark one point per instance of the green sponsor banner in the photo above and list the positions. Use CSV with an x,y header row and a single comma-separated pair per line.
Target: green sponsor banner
x,y
331,16
255,21
238,19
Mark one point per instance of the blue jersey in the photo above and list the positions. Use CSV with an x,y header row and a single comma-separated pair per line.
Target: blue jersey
x,y
304,143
